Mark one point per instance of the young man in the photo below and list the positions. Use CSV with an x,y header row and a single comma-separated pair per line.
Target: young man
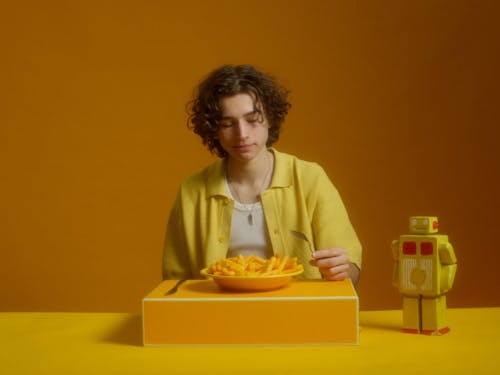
x,y
255,200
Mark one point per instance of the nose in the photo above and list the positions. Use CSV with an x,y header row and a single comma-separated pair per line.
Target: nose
x,y
242,129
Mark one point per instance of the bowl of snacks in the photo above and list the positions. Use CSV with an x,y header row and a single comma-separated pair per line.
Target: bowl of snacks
x,y
252,273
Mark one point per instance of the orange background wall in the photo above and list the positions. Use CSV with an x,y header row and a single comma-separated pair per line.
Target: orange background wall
x,y
398,101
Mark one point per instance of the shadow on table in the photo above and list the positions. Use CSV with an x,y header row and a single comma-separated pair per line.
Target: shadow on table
x,y
380,324
126,332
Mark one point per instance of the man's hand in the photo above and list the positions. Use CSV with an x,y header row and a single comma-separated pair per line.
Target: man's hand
x,y
334,264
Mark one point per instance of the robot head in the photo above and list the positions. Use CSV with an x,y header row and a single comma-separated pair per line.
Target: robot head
x,y
423,224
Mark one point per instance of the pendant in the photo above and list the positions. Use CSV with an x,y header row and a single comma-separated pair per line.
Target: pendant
x,y
250,218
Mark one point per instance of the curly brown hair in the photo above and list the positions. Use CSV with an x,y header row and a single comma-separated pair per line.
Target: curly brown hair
x,y
205,111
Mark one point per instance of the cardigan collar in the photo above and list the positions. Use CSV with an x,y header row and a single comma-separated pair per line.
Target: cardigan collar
x,y
282,176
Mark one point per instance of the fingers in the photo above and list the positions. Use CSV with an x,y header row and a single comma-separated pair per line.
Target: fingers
x,y
328,253
336,274
332,263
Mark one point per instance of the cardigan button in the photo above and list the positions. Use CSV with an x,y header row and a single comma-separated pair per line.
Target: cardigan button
x,y
221,239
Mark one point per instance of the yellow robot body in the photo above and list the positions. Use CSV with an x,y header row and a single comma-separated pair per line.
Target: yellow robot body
x,y
419,264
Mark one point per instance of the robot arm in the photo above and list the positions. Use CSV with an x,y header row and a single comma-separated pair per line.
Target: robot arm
x,y
395,249
449,261
446,254
395,255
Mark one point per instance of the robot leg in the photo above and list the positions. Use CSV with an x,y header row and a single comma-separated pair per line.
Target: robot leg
x,y
411,314
434,316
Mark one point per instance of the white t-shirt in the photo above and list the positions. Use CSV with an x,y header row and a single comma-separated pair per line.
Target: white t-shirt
x,y
248,230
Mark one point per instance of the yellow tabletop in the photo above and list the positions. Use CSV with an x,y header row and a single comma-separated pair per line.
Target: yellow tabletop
x,y
105,343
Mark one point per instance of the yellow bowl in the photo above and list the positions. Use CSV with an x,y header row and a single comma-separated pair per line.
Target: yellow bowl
x,y
252,283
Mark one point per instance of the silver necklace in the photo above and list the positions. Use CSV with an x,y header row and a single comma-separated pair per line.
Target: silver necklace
x,y
249,207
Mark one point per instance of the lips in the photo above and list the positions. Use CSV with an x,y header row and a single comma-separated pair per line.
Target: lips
x,y
243,147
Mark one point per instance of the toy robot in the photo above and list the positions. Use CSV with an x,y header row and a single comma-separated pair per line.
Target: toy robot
x,y
425,267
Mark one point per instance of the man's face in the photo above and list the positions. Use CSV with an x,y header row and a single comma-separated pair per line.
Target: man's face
x,y
243,128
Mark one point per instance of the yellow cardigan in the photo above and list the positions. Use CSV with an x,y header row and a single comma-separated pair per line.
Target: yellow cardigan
x,y
301,198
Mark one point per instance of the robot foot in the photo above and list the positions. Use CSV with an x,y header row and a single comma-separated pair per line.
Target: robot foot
x,y
439,332
428,332
410,330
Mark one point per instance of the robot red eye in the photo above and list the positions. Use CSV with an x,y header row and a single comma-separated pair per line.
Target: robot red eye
x,y
426,248
435,225
409,248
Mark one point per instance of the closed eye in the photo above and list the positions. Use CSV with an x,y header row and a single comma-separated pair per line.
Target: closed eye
x,y
254,117
251,118
226,123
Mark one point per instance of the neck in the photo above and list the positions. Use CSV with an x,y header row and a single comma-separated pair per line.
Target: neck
x,y
248,180
249,172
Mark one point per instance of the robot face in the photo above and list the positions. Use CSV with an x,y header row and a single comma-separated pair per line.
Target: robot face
x,y
423,224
